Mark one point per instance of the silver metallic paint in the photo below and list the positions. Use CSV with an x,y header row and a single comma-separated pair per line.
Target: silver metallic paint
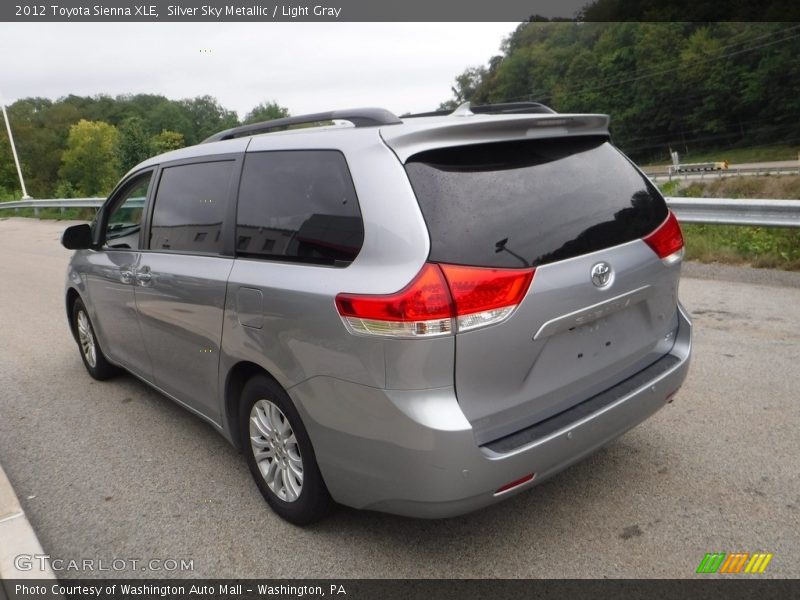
x,y
414,453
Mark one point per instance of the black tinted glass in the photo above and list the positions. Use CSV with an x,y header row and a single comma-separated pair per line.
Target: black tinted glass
x,y
125,220
190,206
298,205
531,202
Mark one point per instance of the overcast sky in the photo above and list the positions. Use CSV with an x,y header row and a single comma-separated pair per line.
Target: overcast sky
x,y
307,67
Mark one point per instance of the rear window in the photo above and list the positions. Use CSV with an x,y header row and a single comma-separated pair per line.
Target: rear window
x,y
531,202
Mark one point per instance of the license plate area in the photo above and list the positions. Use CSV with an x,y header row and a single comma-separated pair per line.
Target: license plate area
x,y
597,346
584,316
592,339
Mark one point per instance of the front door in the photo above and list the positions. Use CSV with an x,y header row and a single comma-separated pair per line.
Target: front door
x,y
110,277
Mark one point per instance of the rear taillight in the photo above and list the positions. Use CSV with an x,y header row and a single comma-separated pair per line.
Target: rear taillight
x,y
667,240
439,295
485,296
423,308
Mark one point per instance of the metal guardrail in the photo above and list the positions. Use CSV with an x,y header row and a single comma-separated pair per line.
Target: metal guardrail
x,y
55,203
731,211
713,211
664,175
64,203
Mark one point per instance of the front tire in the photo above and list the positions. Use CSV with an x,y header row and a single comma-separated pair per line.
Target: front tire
x,y
279,453
93,358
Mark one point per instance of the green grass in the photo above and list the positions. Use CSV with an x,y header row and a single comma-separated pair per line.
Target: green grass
x,y
767,247
739,155
772,248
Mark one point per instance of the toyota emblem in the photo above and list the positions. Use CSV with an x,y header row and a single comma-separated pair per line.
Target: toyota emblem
x,y
602,274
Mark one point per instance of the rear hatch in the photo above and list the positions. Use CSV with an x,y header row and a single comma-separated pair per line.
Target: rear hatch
x,y
602,303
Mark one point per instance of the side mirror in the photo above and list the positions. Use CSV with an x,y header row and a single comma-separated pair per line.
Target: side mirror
x,y
77,237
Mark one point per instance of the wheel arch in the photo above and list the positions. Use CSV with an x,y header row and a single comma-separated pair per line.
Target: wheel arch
x,y
71,297
235,381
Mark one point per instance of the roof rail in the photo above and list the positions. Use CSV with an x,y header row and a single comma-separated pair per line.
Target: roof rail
x,y
490,109
431,113
360,117
505,108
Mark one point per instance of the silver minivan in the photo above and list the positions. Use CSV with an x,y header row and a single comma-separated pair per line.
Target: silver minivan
x,y
419,315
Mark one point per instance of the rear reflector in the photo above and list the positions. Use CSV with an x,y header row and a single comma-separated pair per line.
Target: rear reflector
x,y
439,295
667,240
516,483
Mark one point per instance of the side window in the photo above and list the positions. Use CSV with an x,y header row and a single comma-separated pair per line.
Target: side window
x,y
190,206
125,219
300,206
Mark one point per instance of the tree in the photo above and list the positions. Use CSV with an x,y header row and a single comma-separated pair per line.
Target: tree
x,y
9,183
134,144
65,189
207,117
40,129
266,111
665,84
90,161
167,140
465,86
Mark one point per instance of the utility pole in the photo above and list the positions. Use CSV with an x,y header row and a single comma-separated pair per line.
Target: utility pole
x,y
14,152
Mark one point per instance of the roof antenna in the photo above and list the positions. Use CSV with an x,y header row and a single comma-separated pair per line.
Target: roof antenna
x,y
464,110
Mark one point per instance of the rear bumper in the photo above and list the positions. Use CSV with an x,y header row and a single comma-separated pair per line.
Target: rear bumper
x,y
414,453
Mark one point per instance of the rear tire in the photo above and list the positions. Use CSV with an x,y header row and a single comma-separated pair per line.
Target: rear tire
x,y
93,358
279,453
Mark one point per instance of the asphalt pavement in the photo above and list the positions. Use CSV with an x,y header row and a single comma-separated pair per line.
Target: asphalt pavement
x,y
114,471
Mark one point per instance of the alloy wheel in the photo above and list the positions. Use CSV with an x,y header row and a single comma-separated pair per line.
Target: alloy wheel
x,y
276,450
86,339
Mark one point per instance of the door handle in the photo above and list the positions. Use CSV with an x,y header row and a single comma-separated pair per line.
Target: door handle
x,y
126,275
144,277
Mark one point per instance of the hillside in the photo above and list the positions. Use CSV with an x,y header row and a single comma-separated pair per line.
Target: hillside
x,y
689,86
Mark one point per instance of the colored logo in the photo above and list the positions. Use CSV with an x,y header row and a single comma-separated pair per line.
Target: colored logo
x,y
735,562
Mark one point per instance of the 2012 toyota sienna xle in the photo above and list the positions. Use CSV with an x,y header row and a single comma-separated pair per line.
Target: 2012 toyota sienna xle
x,y
421,316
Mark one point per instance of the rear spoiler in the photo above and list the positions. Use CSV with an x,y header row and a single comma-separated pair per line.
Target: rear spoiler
x,y
417,135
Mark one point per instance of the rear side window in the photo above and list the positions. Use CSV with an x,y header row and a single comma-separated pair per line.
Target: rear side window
x,y
298,206
531,202
190,206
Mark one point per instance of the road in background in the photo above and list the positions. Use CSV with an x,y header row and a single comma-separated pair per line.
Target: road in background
x,y
114,470
760,166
